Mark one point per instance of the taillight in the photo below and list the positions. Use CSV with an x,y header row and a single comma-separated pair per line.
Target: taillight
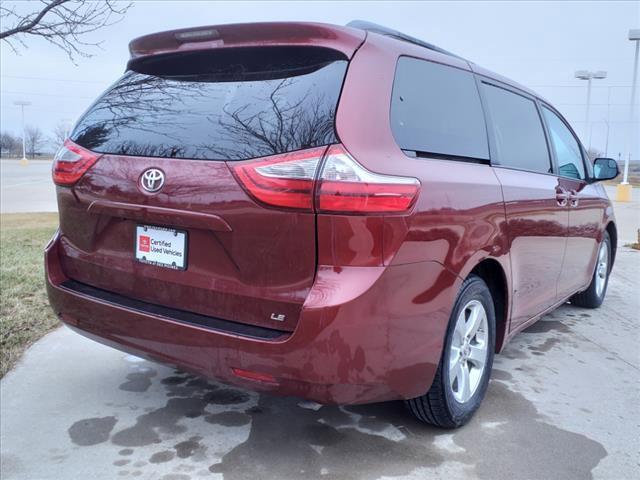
x,y
70,163
344,186
282,180
347,187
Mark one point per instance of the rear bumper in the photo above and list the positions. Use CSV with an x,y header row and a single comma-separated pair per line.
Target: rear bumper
x,y
365,334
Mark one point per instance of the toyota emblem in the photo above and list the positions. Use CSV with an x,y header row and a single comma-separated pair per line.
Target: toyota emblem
x,y
152,180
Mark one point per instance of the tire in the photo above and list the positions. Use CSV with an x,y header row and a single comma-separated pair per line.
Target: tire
x,y
444,405
594,295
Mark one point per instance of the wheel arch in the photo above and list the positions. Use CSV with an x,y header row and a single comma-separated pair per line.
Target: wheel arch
x,y
613,234
494,275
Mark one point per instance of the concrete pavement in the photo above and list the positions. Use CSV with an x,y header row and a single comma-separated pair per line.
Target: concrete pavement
x,y
26,188
562,404
627,215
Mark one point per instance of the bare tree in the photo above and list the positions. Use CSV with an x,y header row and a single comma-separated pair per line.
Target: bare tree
x,y
284,126
34,139
9,144
63,23
60,134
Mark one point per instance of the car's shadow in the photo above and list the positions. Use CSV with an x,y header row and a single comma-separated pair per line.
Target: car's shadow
x,y
288,438
200,426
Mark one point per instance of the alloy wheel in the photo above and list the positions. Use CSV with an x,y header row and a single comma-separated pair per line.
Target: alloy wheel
x,y
468,353
602,268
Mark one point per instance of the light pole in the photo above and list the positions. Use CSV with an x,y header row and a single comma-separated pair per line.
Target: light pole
x,y
588,76
67,126
623,192
22,104
606,144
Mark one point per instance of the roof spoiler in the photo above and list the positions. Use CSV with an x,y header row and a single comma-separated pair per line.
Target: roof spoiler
x,y
210,37
389,32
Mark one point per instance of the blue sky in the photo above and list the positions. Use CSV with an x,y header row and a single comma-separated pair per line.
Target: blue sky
x,y
539,44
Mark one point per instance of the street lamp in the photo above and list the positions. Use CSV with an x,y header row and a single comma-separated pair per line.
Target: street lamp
x,y
22,104
623,192
67,126
588,76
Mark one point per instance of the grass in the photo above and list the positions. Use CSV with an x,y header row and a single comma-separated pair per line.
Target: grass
x,y
25,315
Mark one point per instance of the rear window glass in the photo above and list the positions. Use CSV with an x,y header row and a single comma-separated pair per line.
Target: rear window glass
x,y
229,104
436,109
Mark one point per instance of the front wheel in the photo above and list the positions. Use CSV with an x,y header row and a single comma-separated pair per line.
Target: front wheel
x,y
463,374
593,296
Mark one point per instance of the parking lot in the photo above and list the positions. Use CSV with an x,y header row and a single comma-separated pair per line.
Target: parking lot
x,y
562,404
26,188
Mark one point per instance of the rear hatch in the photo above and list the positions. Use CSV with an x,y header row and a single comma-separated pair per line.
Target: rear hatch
x,y
163,215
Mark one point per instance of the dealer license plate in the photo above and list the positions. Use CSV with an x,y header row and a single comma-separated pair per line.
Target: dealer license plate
x,y
164,247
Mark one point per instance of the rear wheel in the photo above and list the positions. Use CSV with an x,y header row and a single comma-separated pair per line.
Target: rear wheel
x,y
465,367
593,296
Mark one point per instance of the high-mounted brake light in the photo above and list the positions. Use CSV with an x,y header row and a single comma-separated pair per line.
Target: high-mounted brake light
x,y
282,180
344,186
198,35
347,187
70,163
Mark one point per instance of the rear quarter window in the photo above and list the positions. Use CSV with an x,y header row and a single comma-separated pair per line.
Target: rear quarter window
x,y
436,109
517,130
229,104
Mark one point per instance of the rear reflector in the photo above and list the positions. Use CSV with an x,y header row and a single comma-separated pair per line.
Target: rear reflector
x,y
344,186
285,181
347,187
255,376
70,163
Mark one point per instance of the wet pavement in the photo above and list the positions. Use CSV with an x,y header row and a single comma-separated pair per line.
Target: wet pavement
x,y
562,404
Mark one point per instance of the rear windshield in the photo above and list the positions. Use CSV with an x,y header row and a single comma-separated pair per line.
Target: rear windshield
x,y
230,104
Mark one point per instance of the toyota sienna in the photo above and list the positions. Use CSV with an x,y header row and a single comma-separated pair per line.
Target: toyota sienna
x,y
343,214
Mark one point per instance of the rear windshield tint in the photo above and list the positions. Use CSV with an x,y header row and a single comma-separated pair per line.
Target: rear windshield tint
x,y
230,104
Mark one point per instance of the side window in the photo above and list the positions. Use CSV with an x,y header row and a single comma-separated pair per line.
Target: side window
x,y
565,146
436,109
518,130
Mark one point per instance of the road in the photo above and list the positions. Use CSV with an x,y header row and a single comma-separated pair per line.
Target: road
x,y
562,404
26,188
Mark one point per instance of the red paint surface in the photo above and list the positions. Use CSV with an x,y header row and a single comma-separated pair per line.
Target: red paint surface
x,y
366,298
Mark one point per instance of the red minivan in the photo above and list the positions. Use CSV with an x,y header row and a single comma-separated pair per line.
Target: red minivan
x,y
344,214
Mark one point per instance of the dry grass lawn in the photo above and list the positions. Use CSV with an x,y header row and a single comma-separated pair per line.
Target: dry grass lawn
x,y
25,314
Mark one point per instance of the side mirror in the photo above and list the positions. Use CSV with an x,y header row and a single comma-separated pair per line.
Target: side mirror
x,y
605,169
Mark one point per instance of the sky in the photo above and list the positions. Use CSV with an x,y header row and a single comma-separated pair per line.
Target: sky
x,y
538,44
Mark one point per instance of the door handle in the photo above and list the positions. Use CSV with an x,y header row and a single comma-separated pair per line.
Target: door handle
x,y
573,198
562,197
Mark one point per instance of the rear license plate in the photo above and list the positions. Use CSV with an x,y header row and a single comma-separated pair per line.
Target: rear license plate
x,y
164,247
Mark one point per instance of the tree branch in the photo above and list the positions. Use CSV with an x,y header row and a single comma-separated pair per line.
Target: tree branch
x,y
62,23
25,25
